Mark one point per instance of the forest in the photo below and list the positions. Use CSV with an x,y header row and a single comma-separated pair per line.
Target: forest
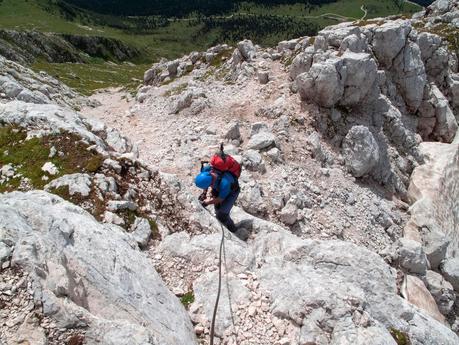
x,y
182,8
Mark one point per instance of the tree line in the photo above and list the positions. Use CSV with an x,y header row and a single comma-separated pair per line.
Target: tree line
x,y
176,8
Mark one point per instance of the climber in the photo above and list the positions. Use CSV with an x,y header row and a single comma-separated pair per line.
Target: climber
x,y
221,176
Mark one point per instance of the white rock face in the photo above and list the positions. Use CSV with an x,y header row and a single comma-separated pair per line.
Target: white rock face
x,y
90,266
262,140
389,39
48,117
232,131
450,269
446,126
412,256
435,247
22,84
300,64
348,275
345,80
433,192
410,75
442,291
321,84
359,74
76,183
247,49
415,291
361,151
141,232
183,101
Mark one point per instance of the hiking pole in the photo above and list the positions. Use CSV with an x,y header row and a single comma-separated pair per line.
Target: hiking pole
x,y
222,152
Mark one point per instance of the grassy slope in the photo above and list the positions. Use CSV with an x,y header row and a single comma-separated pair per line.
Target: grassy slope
x,y
347,8
176,39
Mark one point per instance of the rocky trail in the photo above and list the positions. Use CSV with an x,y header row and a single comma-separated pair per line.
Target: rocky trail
x,y
349,195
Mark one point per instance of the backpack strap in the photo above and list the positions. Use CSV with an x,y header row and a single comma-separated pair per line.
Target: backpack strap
x,y
218,181
203,163
216,185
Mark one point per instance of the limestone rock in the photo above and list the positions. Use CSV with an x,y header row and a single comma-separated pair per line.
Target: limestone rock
x,y
410,75
442,291
203,250
289,214
117,141
48,117
416,293
300,64
258,127
141,232
103,266
50,168
252,160
346,80
262,140
350,277
412,256
446,126
247,49
76,183
5,252
321,84
450,270
263,77
361,151
389,39
232,132
118,205
358,71
435,246
235,293
182,102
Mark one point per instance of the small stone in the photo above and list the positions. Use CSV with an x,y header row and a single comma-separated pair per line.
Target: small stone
x,y
52,152
199,330
50,168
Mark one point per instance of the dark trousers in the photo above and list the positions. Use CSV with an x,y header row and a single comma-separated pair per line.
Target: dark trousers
x,y
223,210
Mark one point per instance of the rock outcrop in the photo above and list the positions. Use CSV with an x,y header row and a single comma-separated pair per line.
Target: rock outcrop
x,y
79,267
20,83
25,47
366,70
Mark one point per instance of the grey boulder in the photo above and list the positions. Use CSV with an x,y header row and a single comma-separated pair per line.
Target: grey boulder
x,y
442,291
141,232
412,256
450,270
361,151
261,140
80,267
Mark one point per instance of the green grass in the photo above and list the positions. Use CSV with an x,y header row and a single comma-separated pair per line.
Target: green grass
x,y
27,156
176,37
86,78
180,36
346,8
187,299
177,90
400,337
171,41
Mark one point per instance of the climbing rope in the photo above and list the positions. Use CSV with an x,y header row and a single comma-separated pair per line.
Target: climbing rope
x,y
212,326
